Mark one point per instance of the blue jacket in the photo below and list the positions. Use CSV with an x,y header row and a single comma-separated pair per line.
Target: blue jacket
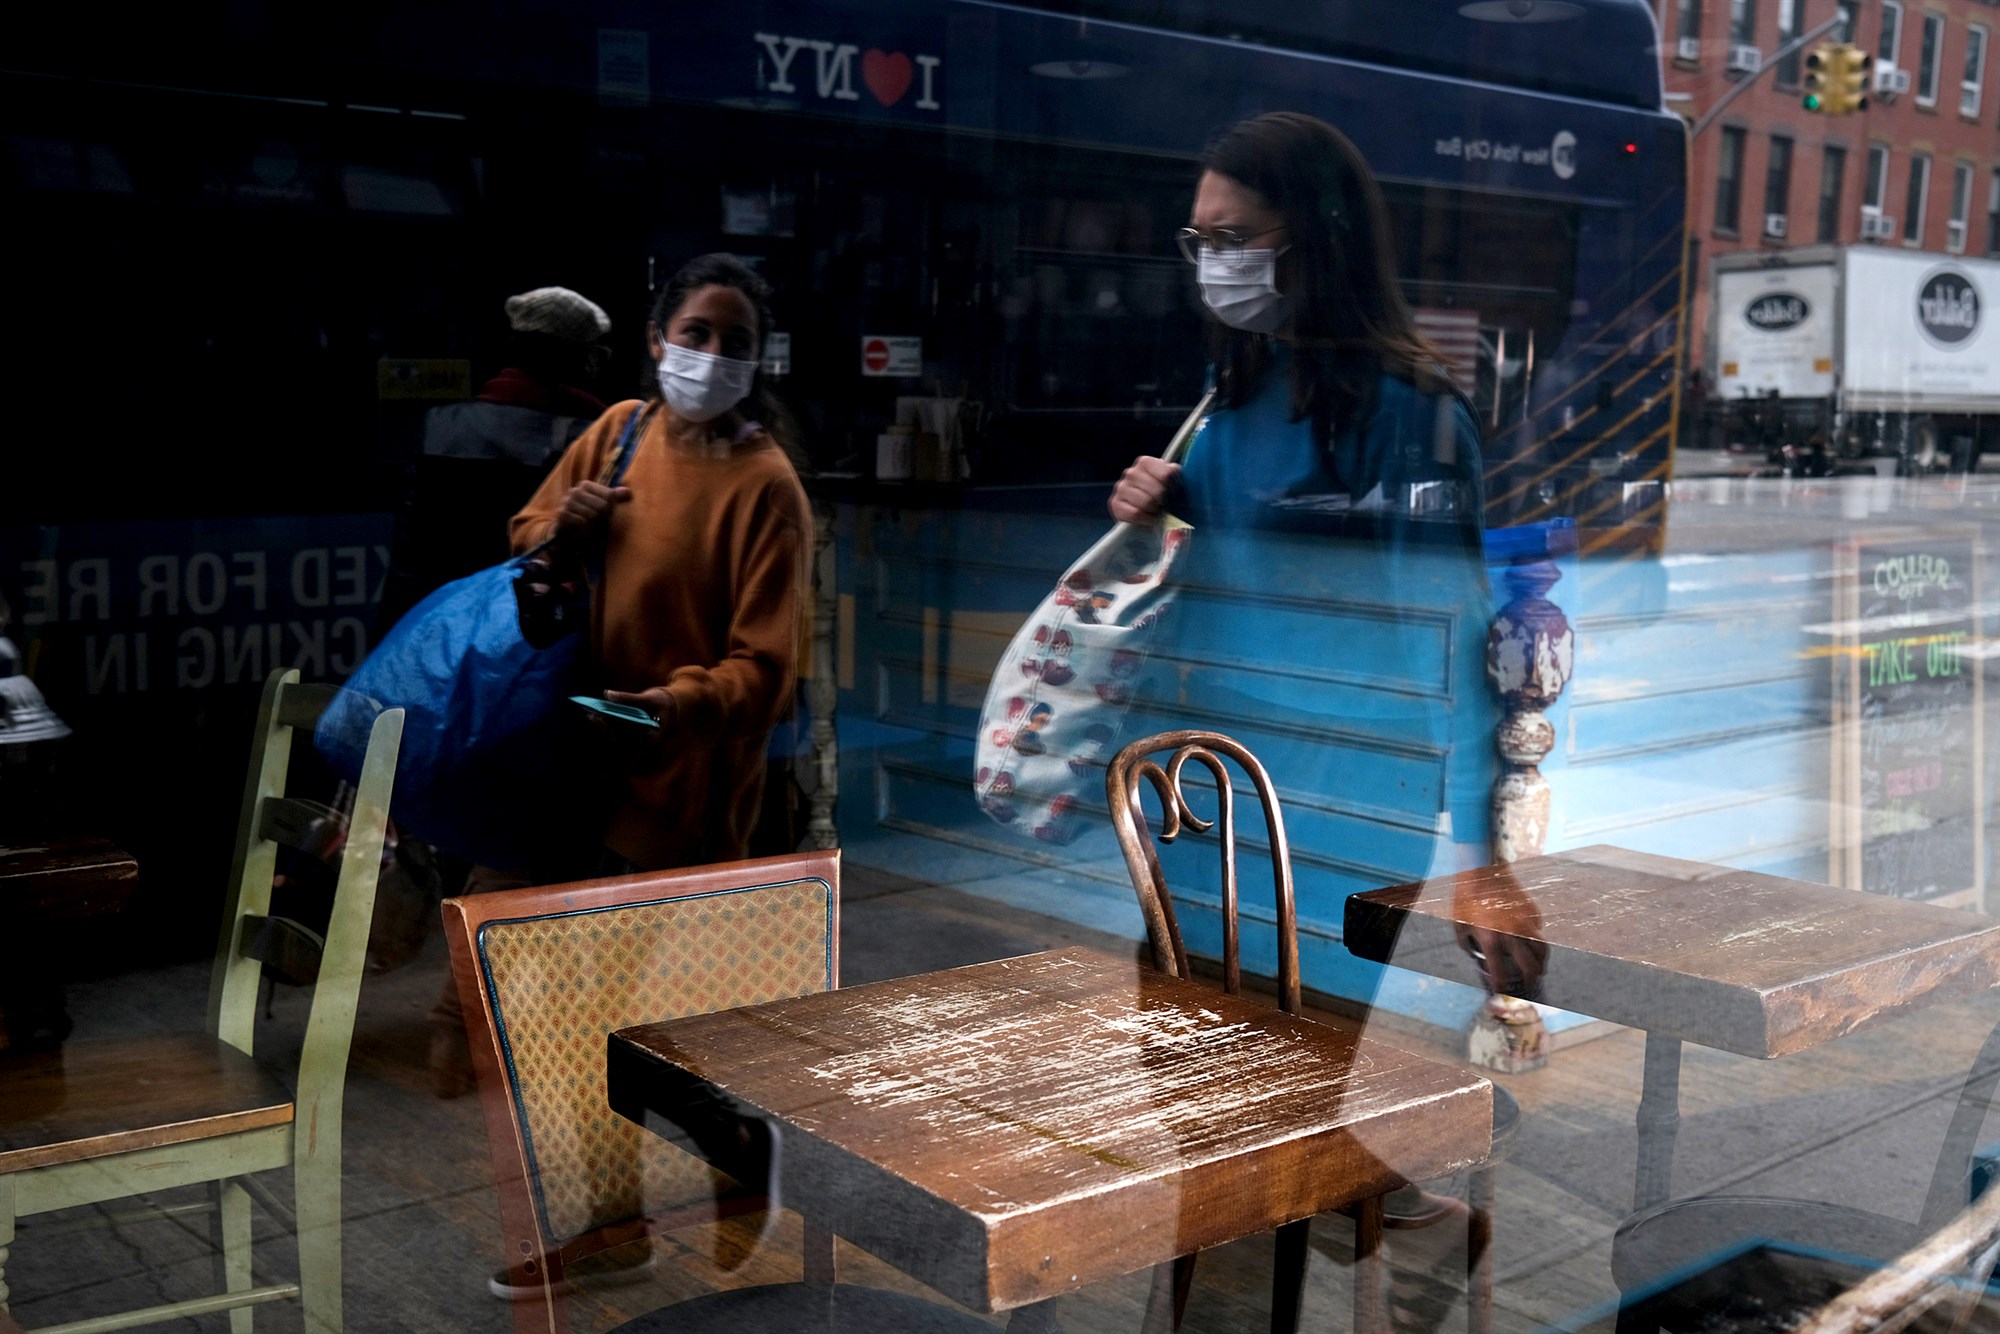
x,y
1335,608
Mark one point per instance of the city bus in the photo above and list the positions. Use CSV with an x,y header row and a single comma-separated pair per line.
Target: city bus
x,y
263,250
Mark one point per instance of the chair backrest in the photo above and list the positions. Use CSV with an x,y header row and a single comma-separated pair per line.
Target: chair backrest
x,y
1951,1265
1136,763
252,939
545,975
1948,1269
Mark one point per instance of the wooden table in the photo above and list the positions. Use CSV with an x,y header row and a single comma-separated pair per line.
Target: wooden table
x,y
1753,964
68,880
1017,1130
49,887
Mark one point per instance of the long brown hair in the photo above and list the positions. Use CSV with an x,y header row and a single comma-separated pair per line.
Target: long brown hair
x,y
1349,321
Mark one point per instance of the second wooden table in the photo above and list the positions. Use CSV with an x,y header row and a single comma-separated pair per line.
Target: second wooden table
x,y
1747,963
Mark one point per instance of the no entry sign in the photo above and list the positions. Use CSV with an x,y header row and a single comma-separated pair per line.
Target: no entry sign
x,y
887,355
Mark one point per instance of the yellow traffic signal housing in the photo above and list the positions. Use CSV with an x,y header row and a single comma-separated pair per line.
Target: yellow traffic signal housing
x,y
1819,79
1836,82
1851,70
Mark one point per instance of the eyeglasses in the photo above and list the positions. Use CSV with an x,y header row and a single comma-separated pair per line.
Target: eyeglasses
x,y
1223,241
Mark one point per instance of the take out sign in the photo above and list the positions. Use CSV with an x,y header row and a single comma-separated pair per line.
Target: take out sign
x,y
828,69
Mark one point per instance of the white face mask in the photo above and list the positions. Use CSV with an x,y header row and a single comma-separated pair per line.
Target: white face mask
x,y
701,386
1241,287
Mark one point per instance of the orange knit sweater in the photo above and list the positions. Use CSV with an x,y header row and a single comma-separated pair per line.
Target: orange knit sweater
x,y
704,575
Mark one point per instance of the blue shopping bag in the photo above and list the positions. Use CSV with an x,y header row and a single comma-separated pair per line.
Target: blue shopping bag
x,y
491,769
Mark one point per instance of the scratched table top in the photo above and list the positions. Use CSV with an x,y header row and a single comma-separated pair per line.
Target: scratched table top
x,y
1748,963
65,879
1015,1130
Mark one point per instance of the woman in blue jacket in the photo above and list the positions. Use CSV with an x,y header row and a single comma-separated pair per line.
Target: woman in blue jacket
x,y
1340,469
1341,456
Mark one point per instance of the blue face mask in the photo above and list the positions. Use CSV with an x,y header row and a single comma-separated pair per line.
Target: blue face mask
x,y
1241,287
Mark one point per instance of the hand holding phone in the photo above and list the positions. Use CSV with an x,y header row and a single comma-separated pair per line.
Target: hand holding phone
x,y
621,713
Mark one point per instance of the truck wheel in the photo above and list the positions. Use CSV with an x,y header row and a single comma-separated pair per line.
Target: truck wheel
x,y
1919,453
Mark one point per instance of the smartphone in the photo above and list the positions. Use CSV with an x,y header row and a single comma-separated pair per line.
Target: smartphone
x,y
623,713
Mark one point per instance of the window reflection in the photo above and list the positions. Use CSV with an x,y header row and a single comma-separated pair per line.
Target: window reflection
x,y
1590,549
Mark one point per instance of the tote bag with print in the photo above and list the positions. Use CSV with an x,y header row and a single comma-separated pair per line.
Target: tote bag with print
x,y
1060,694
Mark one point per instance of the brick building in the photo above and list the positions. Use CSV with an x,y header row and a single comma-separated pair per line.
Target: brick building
x,y
1919,168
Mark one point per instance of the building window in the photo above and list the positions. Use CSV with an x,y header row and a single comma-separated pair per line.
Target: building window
x,y
1743,22
1877,188
1777,186
1913,203
1788,29
1975,71
1961,208
1892,32
1928,58
1689,29
1993,214
1844,30
1832,176
1729,179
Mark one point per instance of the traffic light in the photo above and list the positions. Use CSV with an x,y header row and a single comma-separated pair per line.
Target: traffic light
x,y
1836,82
1819,78
1851,70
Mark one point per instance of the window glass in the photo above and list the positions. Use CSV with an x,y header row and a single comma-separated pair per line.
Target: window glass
x,y
1743,22
1689,20
1832,173
911,407
1891,32
1729,179
1929,57
1975,70
1913,201
1993,213
1961,205
1788,29
1778,178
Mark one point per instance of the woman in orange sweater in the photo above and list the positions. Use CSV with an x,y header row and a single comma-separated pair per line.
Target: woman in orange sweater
x,y
697,609
697,617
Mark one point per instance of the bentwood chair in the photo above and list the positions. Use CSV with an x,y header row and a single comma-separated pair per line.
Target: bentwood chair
x,y
102,1120
1136,764
546,975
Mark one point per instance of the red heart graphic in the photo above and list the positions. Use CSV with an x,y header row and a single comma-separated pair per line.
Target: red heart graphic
x,y
887,75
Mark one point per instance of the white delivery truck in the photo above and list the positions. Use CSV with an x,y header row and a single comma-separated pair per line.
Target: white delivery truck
x,y
1872,350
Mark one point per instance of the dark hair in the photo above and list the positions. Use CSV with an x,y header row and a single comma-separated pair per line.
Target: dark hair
x,y
722,270
1349,321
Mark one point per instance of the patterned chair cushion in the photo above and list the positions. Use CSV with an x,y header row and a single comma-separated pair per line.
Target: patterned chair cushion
x,y
561,983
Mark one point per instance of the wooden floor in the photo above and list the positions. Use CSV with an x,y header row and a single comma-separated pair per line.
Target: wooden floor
x,y
1855,1122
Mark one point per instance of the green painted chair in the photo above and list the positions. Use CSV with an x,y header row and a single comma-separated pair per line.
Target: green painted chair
x,y
102,1120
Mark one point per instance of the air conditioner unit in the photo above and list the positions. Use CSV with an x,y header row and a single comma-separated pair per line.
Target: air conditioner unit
x,y
1876,227
1688,49
1745,60
1888,81
1954,237
1774,225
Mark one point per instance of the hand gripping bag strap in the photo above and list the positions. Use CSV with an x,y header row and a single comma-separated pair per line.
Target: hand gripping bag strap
x,y
1065,683
614,472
